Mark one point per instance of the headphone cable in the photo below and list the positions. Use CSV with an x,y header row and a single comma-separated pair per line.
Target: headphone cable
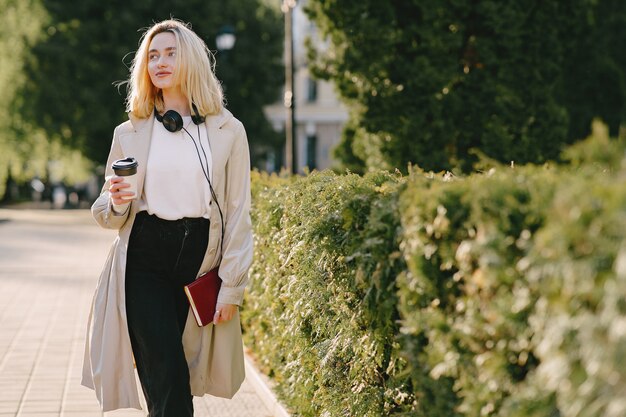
x,y
206,175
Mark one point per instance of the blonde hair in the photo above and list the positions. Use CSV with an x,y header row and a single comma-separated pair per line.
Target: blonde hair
x,y
194,72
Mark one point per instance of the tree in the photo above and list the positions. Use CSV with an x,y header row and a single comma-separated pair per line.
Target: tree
x,y
20,22
88,46
594,72
432,82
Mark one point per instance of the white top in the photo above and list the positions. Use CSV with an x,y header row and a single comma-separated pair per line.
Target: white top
x,y
175,185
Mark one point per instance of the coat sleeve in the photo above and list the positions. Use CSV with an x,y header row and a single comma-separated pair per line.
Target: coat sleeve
x,y
238,242
102,209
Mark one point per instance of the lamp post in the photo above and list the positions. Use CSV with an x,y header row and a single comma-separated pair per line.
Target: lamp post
x,y
290,97
225,39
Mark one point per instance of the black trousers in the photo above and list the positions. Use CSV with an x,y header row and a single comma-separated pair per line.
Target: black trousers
x,y
163,256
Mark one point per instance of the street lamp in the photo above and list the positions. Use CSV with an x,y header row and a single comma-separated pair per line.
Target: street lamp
x,y
290,96
225,39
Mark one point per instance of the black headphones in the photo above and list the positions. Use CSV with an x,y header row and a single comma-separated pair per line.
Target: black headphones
x,y
173,121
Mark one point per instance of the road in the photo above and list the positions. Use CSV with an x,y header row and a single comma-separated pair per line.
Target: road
x,y
49,264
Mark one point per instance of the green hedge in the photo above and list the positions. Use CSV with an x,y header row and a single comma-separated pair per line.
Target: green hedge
x,y
497,294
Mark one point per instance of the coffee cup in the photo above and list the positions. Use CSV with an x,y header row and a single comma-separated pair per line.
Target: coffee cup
x,y
127,168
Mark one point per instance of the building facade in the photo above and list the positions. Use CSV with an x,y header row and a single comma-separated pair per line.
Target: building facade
x,y
320,116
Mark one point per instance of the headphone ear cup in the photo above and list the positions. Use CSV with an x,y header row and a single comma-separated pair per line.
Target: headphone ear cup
x,y
195,117
172,121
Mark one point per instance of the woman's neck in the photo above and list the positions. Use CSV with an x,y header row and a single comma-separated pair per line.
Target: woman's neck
x,y
174,99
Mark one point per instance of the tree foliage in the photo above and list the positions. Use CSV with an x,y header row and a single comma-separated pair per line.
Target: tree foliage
x,y
88,46
20,24
594,78
431,82
25,151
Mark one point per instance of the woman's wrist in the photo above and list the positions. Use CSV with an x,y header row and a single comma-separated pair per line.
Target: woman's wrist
x,y
120,209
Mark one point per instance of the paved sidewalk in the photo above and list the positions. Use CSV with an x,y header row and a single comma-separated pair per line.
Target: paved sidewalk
x,y
49,265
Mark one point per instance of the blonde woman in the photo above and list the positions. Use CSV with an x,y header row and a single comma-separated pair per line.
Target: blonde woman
x,y
189,215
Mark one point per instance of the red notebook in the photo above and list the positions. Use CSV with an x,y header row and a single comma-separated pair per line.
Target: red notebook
x,y
202,295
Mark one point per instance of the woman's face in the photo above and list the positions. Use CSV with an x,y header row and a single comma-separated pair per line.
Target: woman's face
x,y
162,60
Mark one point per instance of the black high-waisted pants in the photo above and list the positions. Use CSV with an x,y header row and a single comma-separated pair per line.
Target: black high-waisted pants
x,y
163,256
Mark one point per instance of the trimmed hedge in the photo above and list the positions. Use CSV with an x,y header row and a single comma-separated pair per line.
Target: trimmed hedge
x,y
499,294
321,311
464,301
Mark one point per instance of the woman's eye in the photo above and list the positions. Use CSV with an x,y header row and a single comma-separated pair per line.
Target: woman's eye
x,y
152,57
172,53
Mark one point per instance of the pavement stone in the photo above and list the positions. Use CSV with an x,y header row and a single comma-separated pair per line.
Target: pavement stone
x,y
49,266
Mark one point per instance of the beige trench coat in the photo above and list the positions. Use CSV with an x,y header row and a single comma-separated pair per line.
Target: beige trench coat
x,y
214,353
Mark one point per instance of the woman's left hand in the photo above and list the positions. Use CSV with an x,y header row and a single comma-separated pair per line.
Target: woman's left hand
x,y
224,312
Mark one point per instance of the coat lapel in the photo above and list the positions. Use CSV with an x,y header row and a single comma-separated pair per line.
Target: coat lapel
x,y
219,144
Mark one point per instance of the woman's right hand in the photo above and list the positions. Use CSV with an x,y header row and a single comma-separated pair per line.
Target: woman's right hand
x,y
116,188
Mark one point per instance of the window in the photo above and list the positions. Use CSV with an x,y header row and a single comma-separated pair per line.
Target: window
x,y
311,90
311,151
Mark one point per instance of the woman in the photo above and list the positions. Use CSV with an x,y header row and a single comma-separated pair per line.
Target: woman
x,y
190,214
